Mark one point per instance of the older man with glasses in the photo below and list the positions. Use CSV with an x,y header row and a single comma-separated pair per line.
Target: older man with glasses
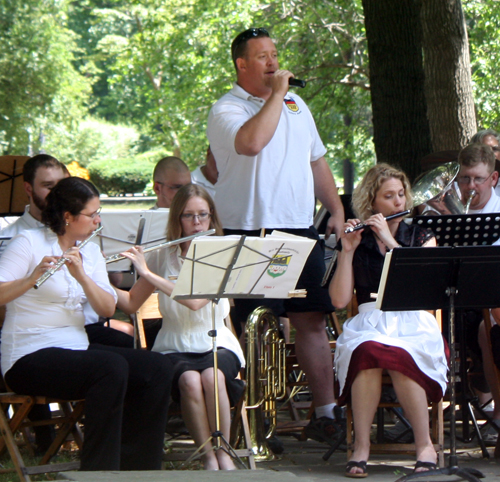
x,y
271,166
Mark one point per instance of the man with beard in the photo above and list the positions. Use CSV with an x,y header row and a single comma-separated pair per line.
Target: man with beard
x,y
40,174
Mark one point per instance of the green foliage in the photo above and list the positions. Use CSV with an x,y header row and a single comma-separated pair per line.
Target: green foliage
x,y
39,85
95,139
483,24
114,177
167,62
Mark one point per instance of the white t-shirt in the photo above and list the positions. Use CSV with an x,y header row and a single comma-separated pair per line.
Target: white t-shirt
x,y
26,221
53,315
274,189
492,206
184,330
197,177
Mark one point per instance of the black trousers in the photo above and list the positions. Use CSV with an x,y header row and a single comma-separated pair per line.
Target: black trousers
x,y
105,335
126,394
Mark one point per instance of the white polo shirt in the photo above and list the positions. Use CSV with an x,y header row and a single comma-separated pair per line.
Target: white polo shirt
x,y
197,177
492,206
274,189
26,221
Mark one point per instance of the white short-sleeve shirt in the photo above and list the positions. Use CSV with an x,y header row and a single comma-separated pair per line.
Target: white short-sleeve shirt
x,y
274,189
184,330
54,314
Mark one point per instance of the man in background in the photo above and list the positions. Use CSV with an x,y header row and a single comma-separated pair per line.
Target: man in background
x,y
169,175
207,174
40,174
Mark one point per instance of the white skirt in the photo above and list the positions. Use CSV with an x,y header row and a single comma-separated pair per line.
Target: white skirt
x,y
416,332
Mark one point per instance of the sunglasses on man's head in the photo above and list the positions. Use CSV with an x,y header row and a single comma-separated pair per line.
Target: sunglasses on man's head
x,y
247,35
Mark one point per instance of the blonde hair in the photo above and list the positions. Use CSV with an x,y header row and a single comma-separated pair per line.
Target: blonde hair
x,y
366,191
184,194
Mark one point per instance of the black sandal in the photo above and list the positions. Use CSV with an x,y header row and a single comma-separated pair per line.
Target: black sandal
x,y
424,465
360,465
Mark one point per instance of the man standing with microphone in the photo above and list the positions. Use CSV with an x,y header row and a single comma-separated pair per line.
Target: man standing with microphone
x,y
271,166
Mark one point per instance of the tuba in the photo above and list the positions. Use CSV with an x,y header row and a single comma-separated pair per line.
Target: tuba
x,y
265,376
436,188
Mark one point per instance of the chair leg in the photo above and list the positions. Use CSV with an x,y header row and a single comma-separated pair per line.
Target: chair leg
x,y
9,441
63,432
349,429
246,436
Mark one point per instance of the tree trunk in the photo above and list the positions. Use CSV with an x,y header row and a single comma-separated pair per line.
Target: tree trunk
x,y
401,130
448,86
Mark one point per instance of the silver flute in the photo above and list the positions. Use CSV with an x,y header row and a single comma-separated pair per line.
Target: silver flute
x,y
363,225
119,257
45,276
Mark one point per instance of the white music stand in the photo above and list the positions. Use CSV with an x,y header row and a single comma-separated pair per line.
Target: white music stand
x,y
239,267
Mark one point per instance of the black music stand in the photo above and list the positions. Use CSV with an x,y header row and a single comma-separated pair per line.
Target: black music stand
x,y
443,277
465,230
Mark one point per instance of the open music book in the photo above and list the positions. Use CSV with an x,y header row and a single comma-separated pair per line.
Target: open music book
x,y
269,267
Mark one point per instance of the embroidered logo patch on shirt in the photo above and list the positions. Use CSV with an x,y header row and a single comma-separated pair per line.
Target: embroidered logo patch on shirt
x,y
291,104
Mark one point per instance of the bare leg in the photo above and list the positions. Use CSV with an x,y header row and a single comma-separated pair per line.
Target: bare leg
x,y
413,399
122,326
314,355
207,380
195,416
489,368
365,397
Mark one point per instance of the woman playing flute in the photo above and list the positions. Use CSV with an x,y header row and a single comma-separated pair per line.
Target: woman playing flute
x,y
407,344
184,334
45,350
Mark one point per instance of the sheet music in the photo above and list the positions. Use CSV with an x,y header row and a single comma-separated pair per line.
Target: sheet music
x,y
267,266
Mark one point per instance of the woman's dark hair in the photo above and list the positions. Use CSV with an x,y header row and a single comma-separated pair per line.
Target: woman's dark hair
x,y
69,195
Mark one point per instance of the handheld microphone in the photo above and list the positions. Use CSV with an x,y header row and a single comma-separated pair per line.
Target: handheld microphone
x,y
296,82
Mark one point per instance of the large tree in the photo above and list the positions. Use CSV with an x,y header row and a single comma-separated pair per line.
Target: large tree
x,y
420,78
448,86
400,126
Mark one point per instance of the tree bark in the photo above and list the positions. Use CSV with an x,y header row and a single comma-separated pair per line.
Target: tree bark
x,y
401,130
448,85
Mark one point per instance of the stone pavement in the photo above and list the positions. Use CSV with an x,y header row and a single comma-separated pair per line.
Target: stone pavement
x,y
301,461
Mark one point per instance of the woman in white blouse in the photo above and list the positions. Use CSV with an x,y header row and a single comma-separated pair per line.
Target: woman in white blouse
x,y
184,334
45,350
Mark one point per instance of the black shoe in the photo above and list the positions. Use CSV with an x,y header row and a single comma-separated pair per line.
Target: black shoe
x,y
326,430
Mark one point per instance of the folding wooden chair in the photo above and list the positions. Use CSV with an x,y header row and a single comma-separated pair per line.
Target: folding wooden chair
x,y
21,405
436,418
488,358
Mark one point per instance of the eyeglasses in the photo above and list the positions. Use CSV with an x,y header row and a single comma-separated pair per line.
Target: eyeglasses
x,y
191,217
172,187
93,215
245,36
476,180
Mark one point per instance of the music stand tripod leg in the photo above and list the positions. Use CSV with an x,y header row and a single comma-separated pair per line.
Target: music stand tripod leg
x,y
468,474
217,440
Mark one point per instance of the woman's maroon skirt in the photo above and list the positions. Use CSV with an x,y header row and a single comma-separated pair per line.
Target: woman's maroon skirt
x,y
372,354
